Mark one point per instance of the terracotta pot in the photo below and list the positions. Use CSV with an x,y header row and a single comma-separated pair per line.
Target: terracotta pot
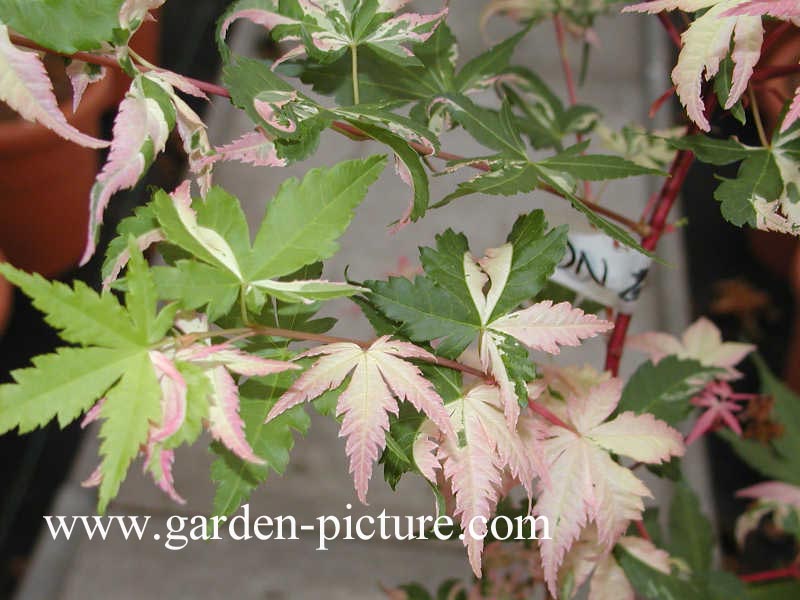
x,y
6,300
44,187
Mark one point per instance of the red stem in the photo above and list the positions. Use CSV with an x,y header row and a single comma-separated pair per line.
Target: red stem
x,y
339,126
547,414
562,51
670,28
664,203
784,573
775,71
642,530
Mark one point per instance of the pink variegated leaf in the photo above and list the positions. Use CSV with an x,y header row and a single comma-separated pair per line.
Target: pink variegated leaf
x,y
93,414
194,135
134,12
158,461
406,380
492,362
705,44
587,485
225,424
269,106
656,6
26,88
640,437
655,344
233,359
545,326
326,374
776,492
393,35
379,376
748,35
794,112
779,9
140,123
702,341
179,82
481,457
252,148
143,242
424,452
609,581
268,19
475,475
94,479
80,75
721,404
364,408
173,398
590,406
776,499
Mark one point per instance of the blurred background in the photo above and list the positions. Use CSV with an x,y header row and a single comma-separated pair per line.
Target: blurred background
x,y
747,283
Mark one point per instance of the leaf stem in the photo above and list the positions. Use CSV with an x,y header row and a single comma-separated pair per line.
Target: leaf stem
x,y
562,53
757,116
305,336
354,62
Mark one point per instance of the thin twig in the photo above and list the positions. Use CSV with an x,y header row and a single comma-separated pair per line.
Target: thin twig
x,y
338,126
757,117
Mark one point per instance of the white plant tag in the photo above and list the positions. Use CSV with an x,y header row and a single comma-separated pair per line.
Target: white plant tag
x,y
596,267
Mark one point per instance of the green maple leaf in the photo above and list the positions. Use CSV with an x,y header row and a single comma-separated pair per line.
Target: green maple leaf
x,y
301,226
112,361
66,26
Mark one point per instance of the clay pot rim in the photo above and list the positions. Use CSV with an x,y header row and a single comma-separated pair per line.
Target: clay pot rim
x,y
19,134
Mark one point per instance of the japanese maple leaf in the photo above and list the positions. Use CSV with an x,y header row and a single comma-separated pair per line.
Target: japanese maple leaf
x,y
788,10
586,484
780,499
28,90
543,326
720,402
224,423
608,580
705,44
328,28
702,341
475,454
379,378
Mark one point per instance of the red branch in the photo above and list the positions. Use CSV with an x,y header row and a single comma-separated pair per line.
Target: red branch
x,y
792,572
562,52
658,221
670,28
547,414
339,126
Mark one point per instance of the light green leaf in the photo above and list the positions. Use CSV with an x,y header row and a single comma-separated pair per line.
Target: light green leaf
x,y
304,220
61,385
66,26
195,285
129,409
82,315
